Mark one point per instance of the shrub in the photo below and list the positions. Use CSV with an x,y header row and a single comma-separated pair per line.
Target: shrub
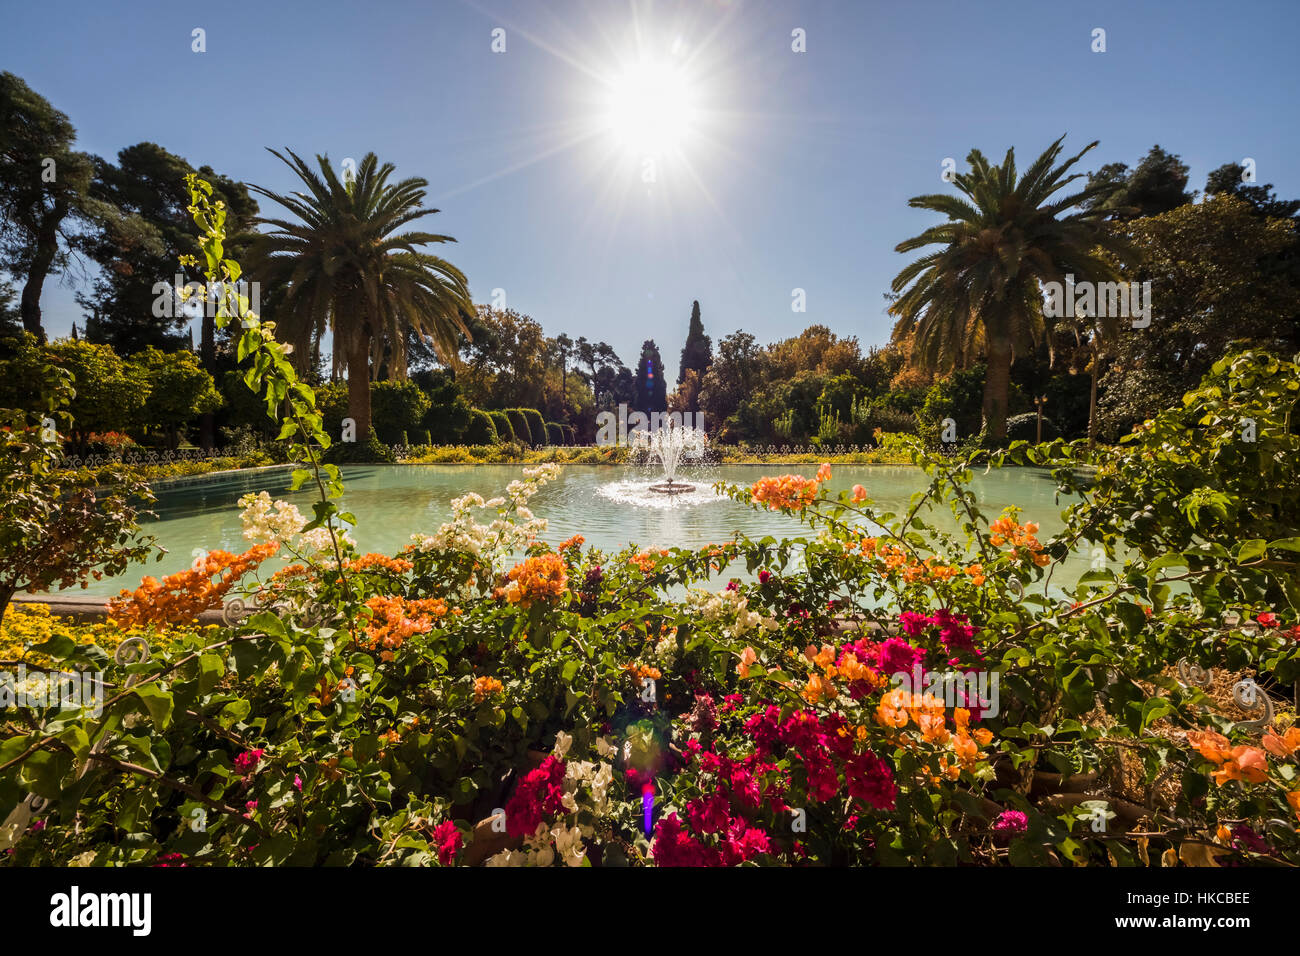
x,y
370,450
448,416
519,425
54,533
332,403
555,433
536,425
480,430
395,408
505,430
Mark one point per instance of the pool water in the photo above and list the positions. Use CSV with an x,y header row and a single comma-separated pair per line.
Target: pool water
x,y
606,504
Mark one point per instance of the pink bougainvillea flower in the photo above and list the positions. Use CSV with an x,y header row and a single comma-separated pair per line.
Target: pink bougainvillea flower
x,y
446,837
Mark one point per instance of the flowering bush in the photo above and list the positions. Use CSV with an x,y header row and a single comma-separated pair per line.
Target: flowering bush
x,y
877,690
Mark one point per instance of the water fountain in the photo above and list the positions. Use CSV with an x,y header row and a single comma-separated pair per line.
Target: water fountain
x,y
669,444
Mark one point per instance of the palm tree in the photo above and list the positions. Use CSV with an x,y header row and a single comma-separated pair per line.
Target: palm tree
x,y
981,293
345,266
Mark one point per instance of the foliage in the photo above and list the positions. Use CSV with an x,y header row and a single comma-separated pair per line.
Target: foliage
x,y
448,417
30,624
179,390
697,353
519,426
397,408
1025,428
44,190
505,430
651,387
1156,185
345,266
142,226
481,430
536,425
980,296
1216,283
54,533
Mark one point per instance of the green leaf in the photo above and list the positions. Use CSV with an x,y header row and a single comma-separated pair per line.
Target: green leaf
x,y
211,669
1250,550
157,701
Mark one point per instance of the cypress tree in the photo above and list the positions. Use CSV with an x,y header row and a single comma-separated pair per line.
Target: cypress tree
x,y
651,390
698,351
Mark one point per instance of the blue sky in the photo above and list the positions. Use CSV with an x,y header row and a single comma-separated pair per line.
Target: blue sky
x,y
795,168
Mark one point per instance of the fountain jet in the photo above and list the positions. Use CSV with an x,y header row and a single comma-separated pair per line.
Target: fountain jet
x,y
669,444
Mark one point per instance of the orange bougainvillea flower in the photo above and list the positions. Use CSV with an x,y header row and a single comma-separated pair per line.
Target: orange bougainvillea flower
x,y
1214,747
540,578
748,658
786,493
485,687
380,562
575,542
646,559
1293,798
824,472
393,619
1022,539
819,689
642,672
859,494
181,597
1283,746
892,709
1244,763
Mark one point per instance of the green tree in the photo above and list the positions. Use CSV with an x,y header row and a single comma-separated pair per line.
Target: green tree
x,y
110,392
480,430
980,292
44,187
180,390
1157,185
697,353
1216,284
11,322
137,245
343,265
399,410
449,414
505,364
651,389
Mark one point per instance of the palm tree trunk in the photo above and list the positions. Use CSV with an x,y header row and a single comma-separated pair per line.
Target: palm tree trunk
x,y
359,387
997,383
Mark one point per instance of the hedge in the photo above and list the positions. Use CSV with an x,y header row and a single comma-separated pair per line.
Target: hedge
x,y
555,433
536,425
505,430
481,430
519,422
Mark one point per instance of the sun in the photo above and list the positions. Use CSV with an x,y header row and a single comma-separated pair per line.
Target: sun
x,y
651,108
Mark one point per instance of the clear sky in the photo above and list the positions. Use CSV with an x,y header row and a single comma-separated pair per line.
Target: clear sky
x,y
773,169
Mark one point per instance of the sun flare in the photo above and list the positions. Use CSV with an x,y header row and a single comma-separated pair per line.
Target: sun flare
x,y
651,108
